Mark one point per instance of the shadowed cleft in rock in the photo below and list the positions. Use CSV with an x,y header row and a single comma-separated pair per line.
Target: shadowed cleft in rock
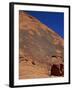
x,y
33,63
57,70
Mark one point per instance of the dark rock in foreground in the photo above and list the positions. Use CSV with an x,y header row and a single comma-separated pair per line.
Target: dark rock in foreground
x,y
57,70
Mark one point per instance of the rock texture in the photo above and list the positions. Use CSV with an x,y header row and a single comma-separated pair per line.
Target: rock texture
x,y
41,50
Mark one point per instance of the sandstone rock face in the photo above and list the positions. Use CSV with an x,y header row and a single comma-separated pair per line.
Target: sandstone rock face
x,y
41,50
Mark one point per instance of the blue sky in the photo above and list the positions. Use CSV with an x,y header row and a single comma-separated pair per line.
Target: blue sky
x,y
54,20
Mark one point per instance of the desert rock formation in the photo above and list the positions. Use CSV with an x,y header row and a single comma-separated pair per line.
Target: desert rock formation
x,y
41,50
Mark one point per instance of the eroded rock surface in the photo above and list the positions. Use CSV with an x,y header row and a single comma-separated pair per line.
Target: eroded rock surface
x,y
41,52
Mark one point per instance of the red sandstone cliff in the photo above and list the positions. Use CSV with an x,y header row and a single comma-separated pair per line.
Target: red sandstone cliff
x,y
41,49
